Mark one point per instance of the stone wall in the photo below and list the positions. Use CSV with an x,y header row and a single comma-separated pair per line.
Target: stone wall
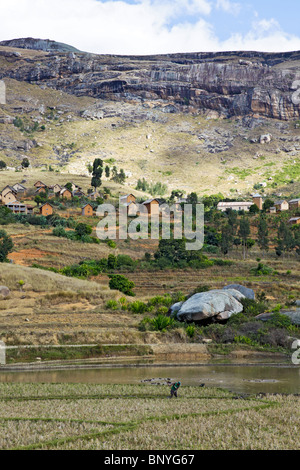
x,y
2,93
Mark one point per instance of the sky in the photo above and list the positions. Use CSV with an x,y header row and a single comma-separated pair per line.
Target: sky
x,y
144,27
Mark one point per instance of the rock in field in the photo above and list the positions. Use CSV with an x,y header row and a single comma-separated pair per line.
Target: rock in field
x,y
218,304
294,315
248,293
175,308
4,291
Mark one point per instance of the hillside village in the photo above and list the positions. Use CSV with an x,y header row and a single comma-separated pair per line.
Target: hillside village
x,y
13,197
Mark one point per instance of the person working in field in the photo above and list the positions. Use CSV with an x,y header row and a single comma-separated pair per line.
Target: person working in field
x,y
174,388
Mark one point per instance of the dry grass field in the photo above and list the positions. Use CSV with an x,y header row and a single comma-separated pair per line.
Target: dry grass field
x,y
141,417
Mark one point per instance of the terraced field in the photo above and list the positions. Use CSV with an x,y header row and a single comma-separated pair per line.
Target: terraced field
x,y
139,417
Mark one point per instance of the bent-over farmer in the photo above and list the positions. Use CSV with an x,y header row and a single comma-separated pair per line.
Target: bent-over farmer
x,y
174,388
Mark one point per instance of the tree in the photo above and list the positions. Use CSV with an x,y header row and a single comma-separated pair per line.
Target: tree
x,y
263,232
226,239
118,177
41,198
107,171
25,163
285,239
142,185
6,245
122,176
97,173
192,198
121,283
254,209
297,239
176,193
69,186
2,165
114,172
244,232
232,221
288,240
83,229
171,250
212,200
268,204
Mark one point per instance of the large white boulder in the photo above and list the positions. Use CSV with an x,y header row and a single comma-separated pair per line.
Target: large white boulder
x,y
217,303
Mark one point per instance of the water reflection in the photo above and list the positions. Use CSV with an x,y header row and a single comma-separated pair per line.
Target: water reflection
x,y
241,379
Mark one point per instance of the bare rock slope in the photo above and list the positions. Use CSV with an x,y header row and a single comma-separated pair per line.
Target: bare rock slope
x,y
228,83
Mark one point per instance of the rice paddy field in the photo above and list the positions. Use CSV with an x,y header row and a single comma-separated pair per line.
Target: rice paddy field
x,y
142,417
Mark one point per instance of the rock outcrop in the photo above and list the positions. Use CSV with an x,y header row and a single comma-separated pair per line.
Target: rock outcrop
x,y
248,293
39,45
227,84
4,291
293,315
217,304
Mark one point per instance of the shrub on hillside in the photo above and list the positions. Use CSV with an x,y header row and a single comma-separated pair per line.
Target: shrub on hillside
x,y
252,307
121,283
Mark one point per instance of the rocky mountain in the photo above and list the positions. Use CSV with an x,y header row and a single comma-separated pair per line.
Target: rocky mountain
x,y
229,83
204,122
46,45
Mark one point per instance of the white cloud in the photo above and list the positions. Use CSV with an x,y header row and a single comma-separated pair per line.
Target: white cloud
x,y
265,35
143,27
229,7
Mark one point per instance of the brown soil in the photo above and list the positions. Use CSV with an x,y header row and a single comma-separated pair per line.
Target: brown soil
x,y
26,257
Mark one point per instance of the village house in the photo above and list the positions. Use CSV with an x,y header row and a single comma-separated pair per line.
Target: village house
x,y
65,193
294,204
56,188
235,206
40,184
272,210
75,187
281,206
8,195
46,209
19,188
41,190
243,205
95,195
258,201
131,208
19,208
294,221
78,193
87,210
127,198
6,190
152,206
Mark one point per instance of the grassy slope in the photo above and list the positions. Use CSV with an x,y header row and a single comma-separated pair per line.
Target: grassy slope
x,y
173,154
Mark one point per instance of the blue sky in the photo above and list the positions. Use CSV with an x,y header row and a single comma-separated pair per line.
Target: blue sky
x,y
156,26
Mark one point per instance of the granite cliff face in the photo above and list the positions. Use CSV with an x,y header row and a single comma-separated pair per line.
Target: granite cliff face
x,y
39,45
228,84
